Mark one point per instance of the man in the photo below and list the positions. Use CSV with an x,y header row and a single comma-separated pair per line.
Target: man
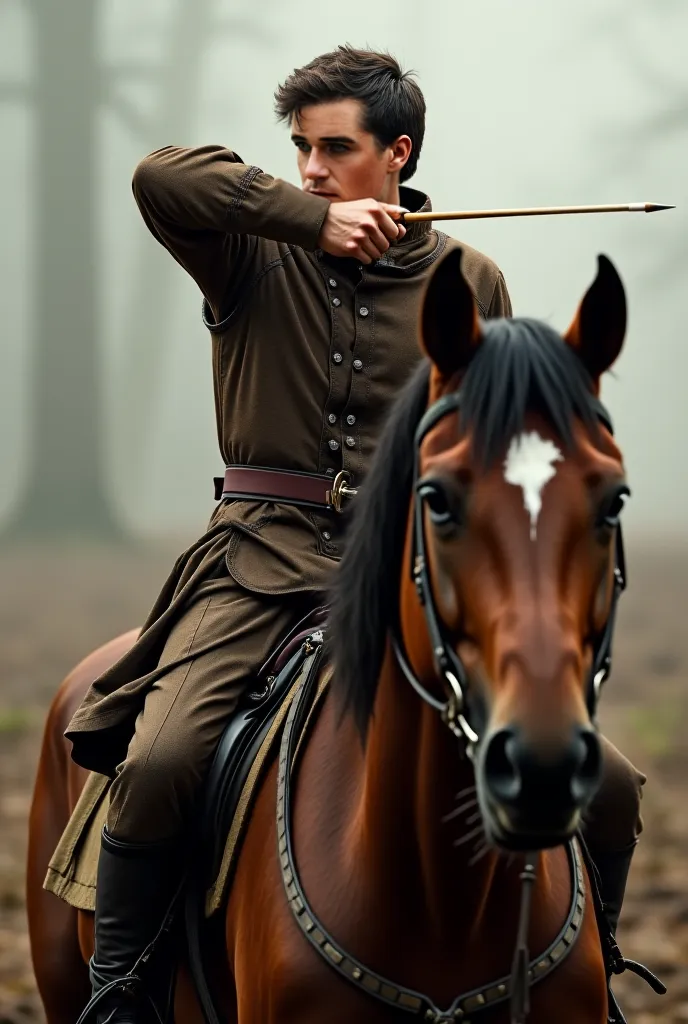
x,y
311,296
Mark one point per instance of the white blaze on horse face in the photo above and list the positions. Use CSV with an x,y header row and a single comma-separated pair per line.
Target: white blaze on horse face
x,y
529,465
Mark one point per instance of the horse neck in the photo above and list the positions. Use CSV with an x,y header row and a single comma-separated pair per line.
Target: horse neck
x,y
414,771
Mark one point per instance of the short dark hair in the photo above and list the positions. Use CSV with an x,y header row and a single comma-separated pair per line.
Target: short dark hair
x,y
392,100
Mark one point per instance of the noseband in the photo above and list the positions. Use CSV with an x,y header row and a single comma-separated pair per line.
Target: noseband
x,y
448,665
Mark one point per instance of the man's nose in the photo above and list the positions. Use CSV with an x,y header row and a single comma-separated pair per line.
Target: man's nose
x,y
315,167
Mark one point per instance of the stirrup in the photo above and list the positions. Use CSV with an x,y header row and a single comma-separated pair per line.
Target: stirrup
x,y
130,983
618,964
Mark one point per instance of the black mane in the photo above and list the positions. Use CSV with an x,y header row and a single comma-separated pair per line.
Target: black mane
x,y
521,366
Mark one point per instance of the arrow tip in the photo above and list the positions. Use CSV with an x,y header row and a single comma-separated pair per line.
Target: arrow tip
x,y
653,207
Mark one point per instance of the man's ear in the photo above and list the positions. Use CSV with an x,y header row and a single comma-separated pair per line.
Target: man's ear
x,y
401,152
450,325
599,326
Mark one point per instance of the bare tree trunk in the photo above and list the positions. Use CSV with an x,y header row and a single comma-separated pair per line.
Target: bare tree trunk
x,y
66,491
146,334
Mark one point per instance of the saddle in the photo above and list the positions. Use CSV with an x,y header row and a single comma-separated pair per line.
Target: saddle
x,y
232,782
245,734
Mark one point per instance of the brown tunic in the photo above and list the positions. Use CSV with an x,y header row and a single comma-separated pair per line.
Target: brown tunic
x,y
308,352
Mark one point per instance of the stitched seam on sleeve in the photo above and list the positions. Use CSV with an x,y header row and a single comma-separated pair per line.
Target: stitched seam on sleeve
x,y
242,188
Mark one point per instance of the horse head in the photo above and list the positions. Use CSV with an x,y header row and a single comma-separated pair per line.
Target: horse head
x,y
514,543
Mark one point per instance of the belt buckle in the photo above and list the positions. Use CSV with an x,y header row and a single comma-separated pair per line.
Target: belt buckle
x,y
340,490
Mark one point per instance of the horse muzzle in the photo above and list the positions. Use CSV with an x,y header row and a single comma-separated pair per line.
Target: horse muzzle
x,y
532,794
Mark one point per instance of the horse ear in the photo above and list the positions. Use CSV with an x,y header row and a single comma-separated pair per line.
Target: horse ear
x,y
598,328
450,326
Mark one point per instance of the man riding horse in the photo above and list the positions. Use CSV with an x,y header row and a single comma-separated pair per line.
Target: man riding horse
x,y
312,298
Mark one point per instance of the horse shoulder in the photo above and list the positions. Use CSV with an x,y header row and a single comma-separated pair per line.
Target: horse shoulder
x,y
278,977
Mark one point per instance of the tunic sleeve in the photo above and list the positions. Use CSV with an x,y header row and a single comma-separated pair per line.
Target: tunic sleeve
x,y
500,304
204,205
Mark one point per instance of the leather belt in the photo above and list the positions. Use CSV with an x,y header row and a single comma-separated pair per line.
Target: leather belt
x,y
284,486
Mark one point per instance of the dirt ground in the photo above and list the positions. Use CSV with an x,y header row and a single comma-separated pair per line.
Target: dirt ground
x,y
57,604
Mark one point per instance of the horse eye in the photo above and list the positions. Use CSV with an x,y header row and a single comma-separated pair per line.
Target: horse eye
x,y
611,512
439,506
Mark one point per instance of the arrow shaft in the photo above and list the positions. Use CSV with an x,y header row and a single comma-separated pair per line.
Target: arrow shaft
x,y
533,211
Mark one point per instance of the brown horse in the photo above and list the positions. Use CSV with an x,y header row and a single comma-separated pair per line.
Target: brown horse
x,y
471,615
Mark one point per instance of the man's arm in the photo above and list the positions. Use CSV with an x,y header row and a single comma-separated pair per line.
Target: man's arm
x,y
207,208
201,204
500,304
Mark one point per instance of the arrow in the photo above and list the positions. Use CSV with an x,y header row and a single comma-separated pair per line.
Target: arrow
x,y
535,211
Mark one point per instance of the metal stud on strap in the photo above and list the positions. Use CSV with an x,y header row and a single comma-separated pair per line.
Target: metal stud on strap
x,y
464,1006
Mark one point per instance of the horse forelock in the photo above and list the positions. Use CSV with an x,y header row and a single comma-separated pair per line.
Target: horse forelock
x,y
522,366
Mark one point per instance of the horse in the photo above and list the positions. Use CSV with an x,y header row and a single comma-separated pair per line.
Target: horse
x,y
426,841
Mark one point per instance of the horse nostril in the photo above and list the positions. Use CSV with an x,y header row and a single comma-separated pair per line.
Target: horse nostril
x,y
589,769
499,765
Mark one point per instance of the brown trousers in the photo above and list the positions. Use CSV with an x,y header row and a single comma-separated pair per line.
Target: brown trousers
x,y
212,654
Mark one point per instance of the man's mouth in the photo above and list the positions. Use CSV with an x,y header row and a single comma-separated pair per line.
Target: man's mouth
x,y
322,192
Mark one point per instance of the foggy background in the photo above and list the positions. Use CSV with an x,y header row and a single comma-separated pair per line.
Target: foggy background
x,y
105,365
107,434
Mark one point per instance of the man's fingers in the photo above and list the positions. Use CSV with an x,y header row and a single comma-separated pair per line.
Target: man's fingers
x,y
371,250
372,237
389,226
378,237
395,212
355,251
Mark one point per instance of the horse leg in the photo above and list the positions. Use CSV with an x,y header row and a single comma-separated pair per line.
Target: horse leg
x,y
58,933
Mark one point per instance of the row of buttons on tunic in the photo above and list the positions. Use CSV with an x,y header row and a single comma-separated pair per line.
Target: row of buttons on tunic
x,y
337,357
357,364
350,419
363,311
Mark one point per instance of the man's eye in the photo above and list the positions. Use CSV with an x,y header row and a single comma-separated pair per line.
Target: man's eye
x,y
337,147
303,146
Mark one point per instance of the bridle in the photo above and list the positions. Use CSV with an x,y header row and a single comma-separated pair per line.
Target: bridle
x,y
448,664
525,971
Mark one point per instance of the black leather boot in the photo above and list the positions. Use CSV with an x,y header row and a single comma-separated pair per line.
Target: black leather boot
x,y
136,885
612,869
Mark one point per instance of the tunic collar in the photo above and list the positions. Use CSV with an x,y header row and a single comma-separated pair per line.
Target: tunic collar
x,y
415,202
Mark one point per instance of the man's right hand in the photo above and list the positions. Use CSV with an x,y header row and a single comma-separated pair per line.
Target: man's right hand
x,y
362,229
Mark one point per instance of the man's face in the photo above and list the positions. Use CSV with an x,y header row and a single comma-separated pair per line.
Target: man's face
x,y
339,160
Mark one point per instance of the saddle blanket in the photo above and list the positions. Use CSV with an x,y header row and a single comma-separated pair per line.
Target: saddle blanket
x,y
73,867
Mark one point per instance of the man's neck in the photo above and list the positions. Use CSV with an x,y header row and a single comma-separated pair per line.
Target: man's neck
x,y
390,193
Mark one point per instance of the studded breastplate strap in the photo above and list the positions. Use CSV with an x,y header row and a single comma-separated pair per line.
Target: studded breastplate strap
x,y
347,966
